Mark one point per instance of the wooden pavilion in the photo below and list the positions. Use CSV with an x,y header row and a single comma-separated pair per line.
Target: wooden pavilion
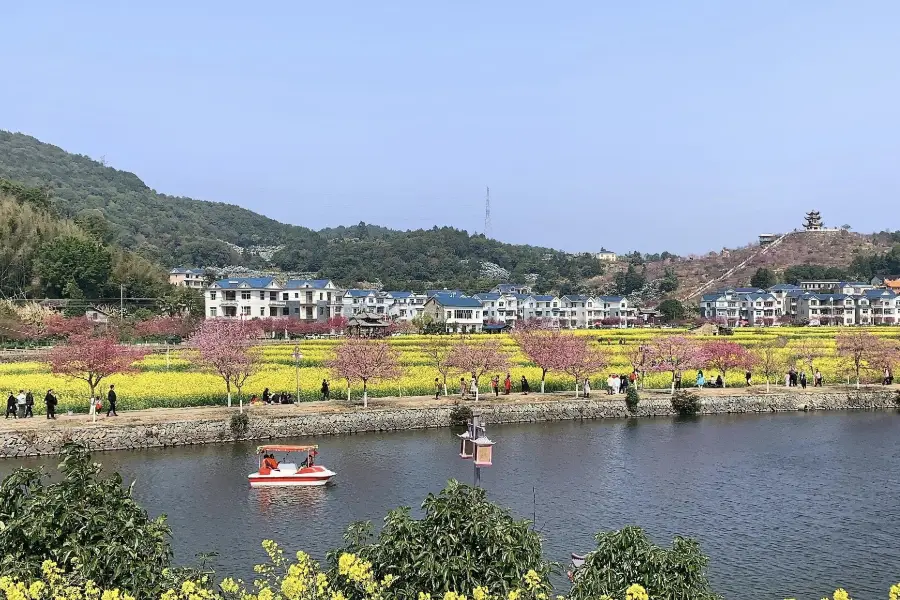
x,y
367,324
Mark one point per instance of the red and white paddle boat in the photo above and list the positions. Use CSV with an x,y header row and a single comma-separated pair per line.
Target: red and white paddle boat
x,y
271,473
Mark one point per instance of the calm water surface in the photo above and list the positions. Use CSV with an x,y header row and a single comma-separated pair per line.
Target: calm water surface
x,y
784,504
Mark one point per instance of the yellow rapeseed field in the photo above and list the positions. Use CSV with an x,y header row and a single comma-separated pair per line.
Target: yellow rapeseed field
x,y
173,381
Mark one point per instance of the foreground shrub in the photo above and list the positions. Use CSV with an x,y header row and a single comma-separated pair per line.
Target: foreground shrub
x,y
685,403
460,415
462,542
632,398
625,557
88,526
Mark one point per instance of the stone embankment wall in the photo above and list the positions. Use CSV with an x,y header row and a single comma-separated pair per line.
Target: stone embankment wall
x,y
261,427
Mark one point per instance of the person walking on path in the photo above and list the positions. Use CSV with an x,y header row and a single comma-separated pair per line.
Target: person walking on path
x,y
473,388
678,381
11,406
29,404
51,401
748,375
507,385
495,384
267,396
326,390
817,379
803,380
111,399
462,387
587,387
437,388
525,387
20,403
701,380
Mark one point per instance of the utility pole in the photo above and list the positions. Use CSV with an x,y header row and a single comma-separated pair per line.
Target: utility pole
x,y
122,301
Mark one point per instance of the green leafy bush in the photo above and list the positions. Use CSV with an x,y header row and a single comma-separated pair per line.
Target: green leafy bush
x,y
460,415
632,398
240,424
463,541
625,557
89,526
686,403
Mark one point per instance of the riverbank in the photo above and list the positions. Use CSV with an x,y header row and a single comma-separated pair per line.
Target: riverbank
x,y
178,427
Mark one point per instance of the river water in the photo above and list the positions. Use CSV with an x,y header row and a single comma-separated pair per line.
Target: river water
x,y
784,504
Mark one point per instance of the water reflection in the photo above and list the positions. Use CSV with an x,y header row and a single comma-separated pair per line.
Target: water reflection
x,y
308,502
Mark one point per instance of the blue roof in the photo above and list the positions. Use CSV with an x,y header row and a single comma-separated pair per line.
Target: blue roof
x,y
400,294
610,298
829,296
294,284
575,298
764,296
487,296
430,293
783,287
445,299
544,298
359,293
253,282
879,294
748,290
494,326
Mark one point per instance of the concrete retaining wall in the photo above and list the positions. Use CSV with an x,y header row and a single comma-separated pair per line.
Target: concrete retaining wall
x,y
261,427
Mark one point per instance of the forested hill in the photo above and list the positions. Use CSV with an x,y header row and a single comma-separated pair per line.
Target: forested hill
x,y
183,231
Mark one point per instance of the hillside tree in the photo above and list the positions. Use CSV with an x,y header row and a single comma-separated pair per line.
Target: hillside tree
x,y
763,278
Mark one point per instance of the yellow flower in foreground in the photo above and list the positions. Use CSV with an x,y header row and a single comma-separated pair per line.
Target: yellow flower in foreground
x,y
841,594
895,592
636,592
532,579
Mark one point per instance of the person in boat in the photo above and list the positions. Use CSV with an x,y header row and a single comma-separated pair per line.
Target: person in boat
x,y
269,462
310,460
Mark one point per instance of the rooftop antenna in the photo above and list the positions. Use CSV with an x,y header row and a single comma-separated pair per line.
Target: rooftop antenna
x,y
487,213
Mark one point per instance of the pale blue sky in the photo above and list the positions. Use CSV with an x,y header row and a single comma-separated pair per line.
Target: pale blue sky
x,y
680,126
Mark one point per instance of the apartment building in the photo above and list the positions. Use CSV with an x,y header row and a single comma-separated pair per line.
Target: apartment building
x,y
885,306
312,299
265,297
573,311
502,307
245,298
541,307
512,288
357,301
457,313
405,306
190,278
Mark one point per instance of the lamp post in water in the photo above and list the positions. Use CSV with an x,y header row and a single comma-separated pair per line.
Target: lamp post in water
x,y
474,444
298,356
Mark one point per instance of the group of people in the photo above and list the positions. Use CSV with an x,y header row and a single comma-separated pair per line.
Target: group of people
x,y
470,388
270,398
615,384
793,378
24,403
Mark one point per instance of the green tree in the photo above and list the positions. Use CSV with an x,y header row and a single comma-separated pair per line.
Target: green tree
x,y
74,260
88,525
763,279
672,310
629,281
462,541
669,282
628,556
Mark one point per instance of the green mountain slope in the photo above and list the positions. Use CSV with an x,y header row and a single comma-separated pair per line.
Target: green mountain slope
x,y
183,231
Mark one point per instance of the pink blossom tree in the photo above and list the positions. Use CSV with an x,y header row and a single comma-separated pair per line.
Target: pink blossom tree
x,y
225,347
578,358
637,358
542,347
478,358
724,356
93,359
438,352
365,360
807,351
673,354
859,351
886,356
770,359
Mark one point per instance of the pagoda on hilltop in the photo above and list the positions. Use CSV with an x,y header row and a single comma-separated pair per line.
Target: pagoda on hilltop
x,y
813,221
